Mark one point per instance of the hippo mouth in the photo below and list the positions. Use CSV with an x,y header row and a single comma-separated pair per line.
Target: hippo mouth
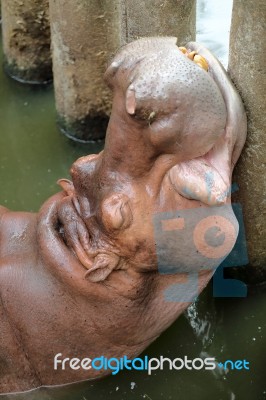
x,y
182,115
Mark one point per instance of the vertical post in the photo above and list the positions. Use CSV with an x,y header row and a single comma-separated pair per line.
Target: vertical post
x,y
247,70
158,18
85,35
26,40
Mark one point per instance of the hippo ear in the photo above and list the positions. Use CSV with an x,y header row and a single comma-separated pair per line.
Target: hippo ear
x,y
98,274
131,100
101,268
66,185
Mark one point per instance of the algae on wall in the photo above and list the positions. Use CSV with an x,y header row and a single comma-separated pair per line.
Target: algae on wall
x,y
26,40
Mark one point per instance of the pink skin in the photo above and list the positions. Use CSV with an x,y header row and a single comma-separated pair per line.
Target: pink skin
x,y
81,276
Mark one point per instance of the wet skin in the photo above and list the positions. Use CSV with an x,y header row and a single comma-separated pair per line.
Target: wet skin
x,y
81,277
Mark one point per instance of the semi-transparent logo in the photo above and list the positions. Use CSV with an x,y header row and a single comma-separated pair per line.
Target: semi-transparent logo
x,y
192,240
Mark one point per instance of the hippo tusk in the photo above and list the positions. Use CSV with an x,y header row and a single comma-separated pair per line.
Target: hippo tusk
x,y
195,57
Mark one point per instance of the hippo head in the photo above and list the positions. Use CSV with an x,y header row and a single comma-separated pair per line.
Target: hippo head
x,y
173,126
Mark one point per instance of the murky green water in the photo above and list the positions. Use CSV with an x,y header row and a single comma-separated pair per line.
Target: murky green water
x,y
33,155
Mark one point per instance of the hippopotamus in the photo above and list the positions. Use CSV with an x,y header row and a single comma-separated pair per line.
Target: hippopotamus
x,y
81,277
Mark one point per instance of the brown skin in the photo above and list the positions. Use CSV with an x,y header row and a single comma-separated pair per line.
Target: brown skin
x,y
81,277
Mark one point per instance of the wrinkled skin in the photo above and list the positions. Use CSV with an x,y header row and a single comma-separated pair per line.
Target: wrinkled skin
x,y
81,277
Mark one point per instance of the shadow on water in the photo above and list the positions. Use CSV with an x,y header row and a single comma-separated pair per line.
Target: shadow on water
x,y
33,155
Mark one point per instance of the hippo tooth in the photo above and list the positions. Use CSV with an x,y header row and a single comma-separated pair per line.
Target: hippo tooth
x,y
191,55
201,61
183,49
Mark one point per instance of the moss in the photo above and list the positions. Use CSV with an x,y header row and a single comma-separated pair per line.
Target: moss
x,y
26,35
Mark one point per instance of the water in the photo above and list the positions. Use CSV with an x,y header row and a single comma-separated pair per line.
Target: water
x,y
33,155
213,26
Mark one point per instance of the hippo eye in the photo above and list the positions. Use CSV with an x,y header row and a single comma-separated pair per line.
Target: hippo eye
x,y
116,212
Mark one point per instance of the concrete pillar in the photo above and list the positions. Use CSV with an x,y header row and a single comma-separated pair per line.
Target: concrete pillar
x,y
26,40
247,70
158,18
85,35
